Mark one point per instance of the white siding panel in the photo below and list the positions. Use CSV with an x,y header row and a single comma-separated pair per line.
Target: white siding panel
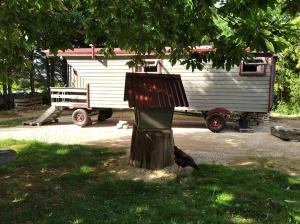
x,y
212,88
211,98
106,81
206,89
109,104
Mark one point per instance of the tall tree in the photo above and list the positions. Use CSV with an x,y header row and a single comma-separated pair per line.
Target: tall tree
x,y
287,83
26,25
144,26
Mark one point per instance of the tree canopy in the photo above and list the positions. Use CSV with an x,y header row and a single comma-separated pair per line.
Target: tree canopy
x,y
145,26
287,85
229,26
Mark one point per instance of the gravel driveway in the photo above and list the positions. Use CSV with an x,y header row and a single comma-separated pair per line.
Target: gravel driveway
x,y
192,136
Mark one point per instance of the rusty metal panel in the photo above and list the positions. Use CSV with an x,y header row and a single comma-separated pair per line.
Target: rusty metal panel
x,y
152,90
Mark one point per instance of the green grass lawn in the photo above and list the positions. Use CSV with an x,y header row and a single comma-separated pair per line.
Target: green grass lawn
x,y
14,122
53,183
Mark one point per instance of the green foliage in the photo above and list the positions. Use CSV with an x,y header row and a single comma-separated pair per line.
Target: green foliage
x,y
144,26
26,25
284,108
54,183
287,83
229,26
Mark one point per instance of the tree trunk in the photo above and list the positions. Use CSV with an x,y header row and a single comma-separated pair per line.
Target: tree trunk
x,y
5,98
52,71
65,71
4,88
151,148
9,95
31,79
31,73
48,80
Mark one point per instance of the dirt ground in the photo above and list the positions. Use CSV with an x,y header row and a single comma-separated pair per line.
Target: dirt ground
x,y
258,149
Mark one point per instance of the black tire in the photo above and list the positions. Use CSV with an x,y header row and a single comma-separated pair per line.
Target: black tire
x,y
215,122
81,118
105,114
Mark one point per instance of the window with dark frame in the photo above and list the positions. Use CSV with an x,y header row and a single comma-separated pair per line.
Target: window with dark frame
x,y
151,66
253,67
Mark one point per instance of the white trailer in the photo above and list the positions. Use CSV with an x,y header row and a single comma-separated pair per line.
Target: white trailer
x,y
97,83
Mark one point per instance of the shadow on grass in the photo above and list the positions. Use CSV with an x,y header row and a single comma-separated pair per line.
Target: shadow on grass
x,y
53,183
14,122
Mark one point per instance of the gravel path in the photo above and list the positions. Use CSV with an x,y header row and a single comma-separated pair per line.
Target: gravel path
x,y
204,145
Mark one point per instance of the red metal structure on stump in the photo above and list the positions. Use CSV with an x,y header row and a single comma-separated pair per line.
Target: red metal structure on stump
x,y
154,97
151,90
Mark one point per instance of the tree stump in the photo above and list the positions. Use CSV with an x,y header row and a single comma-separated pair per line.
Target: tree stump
x,y
151,148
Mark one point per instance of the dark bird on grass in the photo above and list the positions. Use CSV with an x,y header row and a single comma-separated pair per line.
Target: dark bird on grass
x,y
182,159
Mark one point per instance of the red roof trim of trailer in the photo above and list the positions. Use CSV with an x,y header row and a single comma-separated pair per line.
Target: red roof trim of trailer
x,y
91,51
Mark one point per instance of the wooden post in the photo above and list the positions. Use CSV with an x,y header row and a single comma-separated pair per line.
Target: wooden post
x,y
151,148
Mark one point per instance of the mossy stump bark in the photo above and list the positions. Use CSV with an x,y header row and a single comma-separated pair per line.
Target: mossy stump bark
x,y
151,148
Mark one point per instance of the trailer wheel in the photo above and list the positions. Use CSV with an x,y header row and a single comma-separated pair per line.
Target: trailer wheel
x,y
81,118
215,122
105,114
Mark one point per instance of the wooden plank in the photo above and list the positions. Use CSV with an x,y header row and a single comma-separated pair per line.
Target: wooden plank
x,y
67,89
108,86
226,98
109,82
109,105
97,80
107,95
59,96
223,77
24,101
229,94
232,107
67,104
227,86
227,102
236,83
234,91
100,82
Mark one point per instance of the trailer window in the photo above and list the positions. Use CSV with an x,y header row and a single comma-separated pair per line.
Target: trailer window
x,y
152,66
253,67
